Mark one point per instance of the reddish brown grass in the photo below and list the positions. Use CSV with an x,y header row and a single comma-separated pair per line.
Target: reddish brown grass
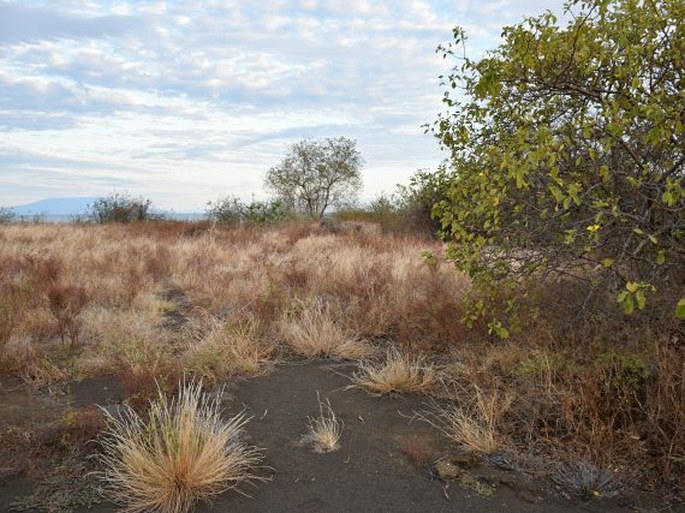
x,y
604,389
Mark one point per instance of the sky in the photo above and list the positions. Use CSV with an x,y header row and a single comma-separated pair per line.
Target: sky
x,y
189,101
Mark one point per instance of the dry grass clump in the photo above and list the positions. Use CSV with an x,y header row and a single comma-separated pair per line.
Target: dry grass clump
x,y
228,349
474,424
315,334
397,373
326,429
181,452
585,480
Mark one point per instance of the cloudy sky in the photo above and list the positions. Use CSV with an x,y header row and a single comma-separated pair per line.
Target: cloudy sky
x,y
187,101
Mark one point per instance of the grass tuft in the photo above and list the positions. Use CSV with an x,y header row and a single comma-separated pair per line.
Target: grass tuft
x,y
473,425
397,373
315,334
181,452
587,481
326,429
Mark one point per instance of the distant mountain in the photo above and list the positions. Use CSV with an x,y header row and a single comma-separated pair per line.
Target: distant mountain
x,y
54,207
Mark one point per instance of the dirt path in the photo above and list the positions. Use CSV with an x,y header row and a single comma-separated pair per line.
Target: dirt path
x,y
382,466
371,472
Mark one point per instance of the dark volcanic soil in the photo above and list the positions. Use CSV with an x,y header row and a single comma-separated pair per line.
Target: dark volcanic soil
x,y
371,472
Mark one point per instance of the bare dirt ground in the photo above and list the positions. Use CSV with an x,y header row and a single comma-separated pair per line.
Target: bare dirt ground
x,y
389,461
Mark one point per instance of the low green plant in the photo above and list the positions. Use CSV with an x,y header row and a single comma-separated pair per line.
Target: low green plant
x,y
546,362
626,371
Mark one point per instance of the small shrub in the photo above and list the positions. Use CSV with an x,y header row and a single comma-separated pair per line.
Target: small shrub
x,y
14,305
182,452
626,372
545,363
7,215
78,427
141,382
66,305
228,210
397,373
121,208
231,210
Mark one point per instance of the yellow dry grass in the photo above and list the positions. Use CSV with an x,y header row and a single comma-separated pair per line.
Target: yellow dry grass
x,y
473,424
353,288
397,373
182,452
324,431
228,349
314,333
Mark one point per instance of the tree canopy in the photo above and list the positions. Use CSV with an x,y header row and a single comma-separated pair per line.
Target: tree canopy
x,y
316,175
567,152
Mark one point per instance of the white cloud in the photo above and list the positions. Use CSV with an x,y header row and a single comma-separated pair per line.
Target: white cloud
x,y
188,100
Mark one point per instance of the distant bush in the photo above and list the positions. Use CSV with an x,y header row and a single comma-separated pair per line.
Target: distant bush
x,y
232,210
416,200
121,208
7,215
407,210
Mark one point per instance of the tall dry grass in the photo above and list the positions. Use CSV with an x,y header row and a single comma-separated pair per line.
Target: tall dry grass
x,y
104,290
610,396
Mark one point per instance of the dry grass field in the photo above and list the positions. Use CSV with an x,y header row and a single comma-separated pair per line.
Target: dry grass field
x,y
149,305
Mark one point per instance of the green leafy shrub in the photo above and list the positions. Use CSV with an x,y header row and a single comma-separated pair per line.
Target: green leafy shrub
x,y
567,155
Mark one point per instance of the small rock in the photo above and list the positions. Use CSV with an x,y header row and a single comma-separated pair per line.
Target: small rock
x,y
467,459
507,481
528,496
468,480
446,469
478,484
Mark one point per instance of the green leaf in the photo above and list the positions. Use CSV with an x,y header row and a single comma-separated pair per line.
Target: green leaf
x,y
632,287
628,304
661,257
655,135
680,309
556,192
604,173
641,299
